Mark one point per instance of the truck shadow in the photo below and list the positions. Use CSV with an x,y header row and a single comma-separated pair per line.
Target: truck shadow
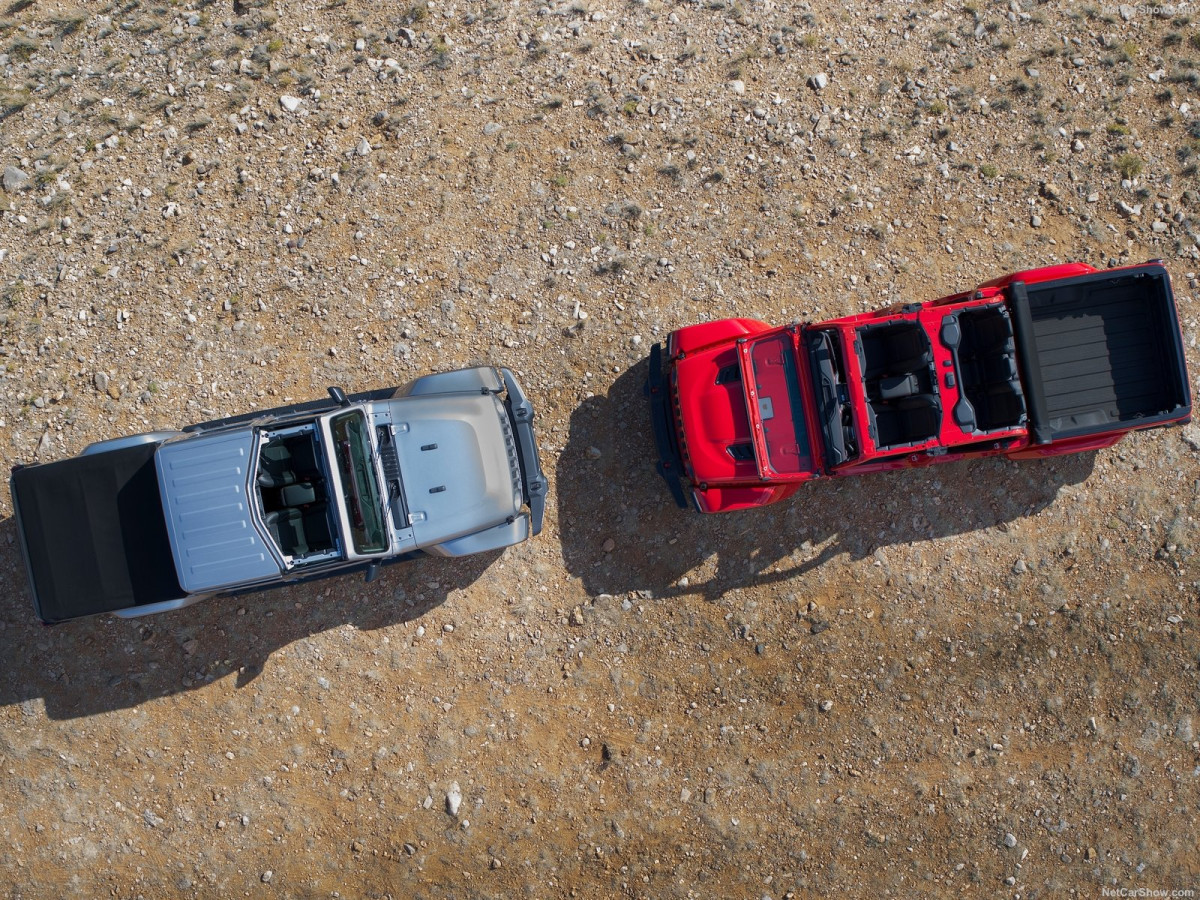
x,y
104,663
621,531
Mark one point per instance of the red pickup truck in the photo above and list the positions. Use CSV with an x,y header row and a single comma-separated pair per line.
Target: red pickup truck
x,y
1039,363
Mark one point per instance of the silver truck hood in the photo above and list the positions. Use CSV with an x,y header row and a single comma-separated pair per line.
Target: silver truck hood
x,y
458,463
204,482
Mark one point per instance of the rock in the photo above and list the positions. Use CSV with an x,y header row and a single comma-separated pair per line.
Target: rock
x,y
491,128
453,799
1051,191
290,103
1035,221
267,876
151,819
1184,730
609,545
363,147
819,81
101,382
1159,227
738,87
593,452
360,45
407,35
1010,840
1019,567
577,616
15,180
826,705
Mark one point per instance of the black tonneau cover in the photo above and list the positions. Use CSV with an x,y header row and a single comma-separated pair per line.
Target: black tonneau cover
x,y
93,533
1100,351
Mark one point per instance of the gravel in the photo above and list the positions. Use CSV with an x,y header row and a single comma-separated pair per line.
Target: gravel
x,y
228,209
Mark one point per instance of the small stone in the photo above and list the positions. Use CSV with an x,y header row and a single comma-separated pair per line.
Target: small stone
x,y
1019,567
826,705
453,799
577,616
15,180
738,87
1090,854
495,863
360,45
1077,145
267,876
593,452
151,819
290,103
609,545
363,148
1010,840
819,81
491,128
448,628
101,382
1159,227
1035,221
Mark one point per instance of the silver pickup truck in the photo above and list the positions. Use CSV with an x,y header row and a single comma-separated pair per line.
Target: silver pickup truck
x,y
447,466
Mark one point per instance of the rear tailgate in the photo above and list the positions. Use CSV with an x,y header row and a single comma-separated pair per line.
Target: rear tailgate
x,y
93,534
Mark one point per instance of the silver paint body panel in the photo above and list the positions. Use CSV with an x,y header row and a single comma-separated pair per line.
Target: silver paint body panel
x,y
206,489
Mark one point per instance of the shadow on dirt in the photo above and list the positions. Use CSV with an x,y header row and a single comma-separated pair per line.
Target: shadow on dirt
x,y
619,497
105,663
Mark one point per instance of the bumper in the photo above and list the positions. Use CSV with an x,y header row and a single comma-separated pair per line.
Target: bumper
x,y
670,461
520,410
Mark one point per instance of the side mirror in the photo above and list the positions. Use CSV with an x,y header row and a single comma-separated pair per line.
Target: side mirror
x,y
339,396
372,572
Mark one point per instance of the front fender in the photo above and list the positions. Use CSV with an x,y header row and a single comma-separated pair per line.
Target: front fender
x,y
503,535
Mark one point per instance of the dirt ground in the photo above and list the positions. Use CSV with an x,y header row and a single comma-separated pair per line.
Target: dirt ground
x,y
977,680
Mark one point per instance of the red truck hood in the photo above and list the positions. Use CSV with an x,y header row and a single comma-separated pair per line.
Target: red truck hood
x,y
712,416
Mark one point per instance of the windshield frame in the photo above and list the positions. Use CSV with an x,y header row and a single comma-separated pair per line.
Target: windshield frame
x,y
353,463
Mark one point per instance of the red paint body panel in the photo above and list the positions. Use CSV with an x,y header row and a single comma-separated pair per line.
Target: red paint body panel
x,y
752,423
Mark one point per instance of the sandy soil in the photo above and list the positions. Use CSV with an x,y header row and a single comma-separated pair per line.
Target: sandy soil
x,y
976,680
